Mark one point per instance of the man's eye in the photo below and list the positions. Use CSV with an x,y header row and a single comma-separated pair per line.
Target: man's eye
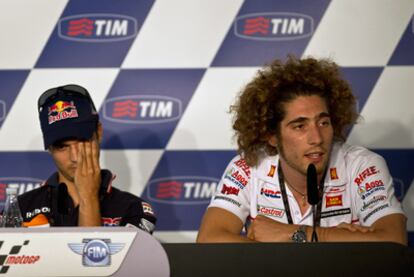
x,y
60,147
325,123
298,126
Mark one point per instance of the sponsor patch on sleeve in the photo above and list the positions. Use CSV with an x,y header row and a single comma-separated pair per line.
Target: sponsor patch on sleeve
x,y
242,165
147,208
111,222
376,210
369,171
229,190
235,177
228,199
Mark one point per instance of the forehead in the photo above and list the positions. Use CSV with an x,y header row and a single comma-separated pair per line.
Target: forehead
x,y
305,106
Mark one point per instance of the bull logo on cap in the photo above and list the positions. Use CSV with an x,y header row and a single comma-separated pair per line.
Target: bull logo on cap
x,y
62,110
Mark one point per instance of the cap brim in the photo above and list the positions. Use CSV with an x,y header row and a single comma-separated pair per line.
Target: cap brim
x,y
76,130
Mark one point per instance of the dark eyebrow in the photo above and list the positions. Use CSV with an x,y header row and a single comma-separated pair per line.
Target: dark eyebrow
x,y
297,120
303,119
324,114
59,144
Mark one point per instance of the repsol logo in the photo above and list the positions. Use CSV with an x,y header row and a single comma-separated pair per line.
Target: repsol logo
x,y
96,27
182,190
143,109
23,184
274,26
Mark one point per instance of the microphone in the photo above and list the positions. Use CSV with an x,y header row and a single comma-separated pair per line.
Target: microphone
x,y
63,207
312,185
313,195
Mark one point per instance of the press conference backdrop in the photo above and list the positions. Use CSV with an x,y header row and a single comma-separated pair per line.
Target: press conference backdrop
x,y
164,73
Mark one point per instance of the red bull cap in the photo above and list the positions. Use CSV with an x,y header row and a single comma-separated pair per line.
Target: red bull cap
x,y
67,112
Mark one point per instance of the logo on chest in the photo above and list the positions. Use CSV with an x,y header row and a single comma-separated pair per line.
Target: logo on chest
x,y
268,211
270,193
333,201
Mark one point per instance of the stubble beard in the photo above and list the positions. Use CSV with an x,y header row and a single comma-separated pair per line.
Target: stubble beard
x,y
303,171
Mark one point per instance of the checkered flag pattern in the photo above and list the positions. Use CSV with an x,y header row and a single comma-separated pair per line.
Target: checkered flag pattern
x,y
164,73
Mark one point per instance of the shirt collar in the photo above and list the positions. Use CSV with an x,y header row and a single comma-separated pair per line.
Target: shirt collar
x,y
106,183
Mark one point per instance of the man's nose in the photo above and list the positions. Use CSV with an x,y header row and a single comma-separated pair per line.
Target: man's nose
x,y
74,152
315,135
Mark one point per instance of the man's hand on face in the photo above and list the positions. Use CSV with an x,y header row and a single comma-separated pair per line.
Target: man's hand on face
x,y
88,172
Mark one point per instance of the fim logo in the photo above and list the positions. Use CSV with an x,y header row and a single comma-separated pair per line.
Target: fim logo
x,y
96,252
274,26
144,109
97,27
182,190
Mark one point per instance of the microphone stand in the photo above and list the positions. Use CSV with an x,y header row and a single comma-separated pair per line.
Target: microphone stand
x,y
313,196
314,235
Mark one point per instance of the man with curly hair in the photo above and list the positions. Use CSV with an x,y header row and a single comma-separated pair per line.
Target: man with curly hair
x,y
289,116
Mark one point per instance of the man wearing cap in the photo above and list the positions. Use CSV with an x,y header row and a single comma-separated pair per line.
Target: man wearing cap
x,y
79,193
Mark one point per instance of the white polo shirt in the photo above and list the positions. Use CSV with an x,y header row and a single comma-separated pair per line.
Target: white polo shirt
x,y
358,189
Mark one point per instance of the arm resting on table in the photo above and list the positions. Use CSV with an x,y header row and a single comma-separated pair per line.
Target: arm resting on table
x,y
219,225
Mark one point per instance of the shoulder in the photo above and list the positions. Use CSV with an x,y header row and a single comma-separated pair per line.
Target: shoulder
x,y
239,164
132,204
119,195
267,168
355,156
37,192
41,191
33,199
267,164
359,152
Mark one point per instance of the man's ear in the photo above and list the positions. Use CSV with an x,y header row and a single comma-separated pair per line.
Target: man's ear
x,y
272,140
99,131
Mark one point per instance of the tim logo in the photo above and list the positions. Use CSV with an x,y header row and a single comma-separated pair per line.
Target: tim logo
x,y
96,252
274,26
23,184
142,109
2,110
97,27
182,190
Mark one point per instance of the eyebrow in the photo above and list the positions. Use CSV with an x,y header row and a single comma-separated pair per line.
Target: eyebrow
x,y
303,119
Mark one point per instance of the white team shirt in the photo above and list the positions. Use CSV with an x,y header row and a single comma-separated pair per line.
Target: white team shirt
x,y
358,189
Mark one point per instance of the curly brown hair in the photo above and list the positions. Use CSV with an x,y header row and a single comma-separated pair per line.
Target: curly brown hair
x,y
259,108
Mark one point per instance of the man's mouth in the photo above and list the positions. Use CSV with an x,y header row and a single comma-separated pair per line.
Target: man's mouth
x,y
315,157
